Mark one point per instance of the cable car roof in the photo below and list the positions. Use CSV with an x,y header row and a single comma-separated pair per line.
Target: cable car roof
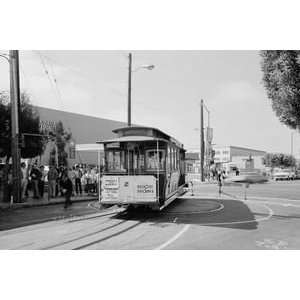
x,y
133,138
146,132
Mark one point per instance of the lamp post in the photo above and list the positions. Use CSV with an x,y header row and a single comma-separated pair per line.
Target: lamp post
x,y
130,71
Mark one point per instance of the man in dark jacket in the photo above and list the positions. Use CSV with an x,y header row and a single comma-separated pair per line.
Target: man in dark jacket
x,y
52,178
67,188
35,177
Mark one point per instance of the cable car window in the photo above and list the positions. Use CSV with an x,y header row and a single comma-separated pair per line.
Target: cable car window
x,y
170,158
173,159
141,161
168,164
115,161
152,161
135,161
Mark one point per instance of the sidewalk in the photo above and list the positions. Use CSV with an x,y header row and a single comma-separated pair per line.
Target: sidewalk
x,y
197,181
30,202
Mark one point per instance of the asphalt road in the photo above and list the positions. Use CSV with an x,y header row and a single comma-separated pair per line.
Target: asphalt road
x,y
268,219
13,218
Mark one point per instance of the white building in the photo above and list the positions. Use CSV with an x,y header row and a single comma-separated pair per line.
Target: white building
x,y
231,158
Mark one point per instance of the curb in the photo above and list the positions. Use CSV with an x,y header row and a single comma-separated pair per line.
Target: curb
x,y
203,182
55,202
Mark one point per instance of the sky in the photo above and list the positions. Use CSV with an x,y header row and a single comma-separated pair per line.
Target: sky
x,y
167,97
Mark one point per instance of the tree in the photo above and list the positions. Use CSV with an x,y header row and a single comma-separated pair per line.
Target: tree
x,y
29,122
62,137
281,78
279,160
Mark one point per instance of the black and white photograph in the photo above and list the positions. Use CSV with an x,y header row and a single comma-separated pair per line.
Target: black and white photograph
x,y
116,150
159,139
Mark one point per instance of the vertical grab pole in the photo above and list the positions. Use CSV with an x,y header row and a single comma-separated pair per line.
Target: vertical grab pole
x,y
157,155
99,180
127,161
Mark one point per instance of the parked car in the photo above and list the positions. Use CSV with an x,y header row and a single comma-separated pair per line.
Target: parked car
x,y
284,175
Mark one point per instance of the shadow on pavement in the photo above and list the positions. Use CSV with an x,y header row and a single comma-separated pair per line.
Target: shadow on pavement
x,y
10,219
235,214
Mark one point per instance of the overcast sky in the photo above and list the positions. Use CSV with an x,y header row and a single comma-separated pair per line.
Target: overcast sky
x,y
167,97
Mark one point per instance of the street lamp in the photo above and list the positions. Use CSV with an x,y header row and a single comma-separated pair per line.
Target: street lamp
x,y
130,71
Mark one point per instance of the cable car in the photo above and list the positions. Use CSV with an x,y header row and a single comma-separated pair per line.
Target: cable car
x,y
143,166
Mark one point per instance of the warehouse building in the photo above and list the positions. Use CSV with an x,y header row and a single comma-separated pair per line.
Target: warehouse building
x,y
86,130
230,158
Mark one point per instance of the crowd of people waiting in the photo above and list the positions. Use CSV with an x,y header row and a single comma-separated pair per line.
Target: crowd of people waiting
x,y
35,178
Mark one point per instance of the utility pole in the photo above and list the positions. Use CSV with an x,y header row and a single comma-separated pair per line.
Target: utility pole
x,y
201,142
292,143
129,89
15,109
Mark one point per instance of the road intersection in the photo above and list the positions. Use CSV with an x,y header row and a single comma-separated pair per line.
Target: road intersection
x,y
268,219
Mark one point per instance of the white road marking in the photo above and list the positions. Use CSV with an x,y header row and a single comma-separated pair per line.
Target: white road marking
x,y
269,216
174,238
221,206
272,244
272,198
186,227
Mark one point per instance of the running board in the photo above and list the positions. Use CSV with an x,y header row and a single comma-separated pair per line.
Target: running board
x,y
172,198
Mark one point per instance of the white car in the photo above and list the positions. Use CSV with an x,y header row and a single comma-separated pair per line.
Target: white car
x,y
284,175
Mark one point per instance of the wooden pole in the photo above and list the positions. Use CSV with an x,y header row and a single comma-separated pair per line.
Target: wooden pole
x,y
129,89
15,108
201,142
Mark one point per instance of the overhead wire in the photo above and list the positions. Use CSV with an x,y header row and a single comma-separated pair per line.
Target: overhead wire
x,y
106,83
51,80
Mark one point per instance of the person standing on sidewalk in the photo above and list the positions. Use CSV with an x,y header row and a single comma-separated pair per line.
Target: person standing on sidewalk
x,y
35,176
52,178
219,179
67,188
9,185
72,176
24,180
42,181
78,175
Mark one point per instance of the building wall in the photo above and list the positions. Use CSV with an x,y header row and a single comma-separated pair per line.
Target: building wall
x,y
85,130
222,154
236,156
239,161
239,151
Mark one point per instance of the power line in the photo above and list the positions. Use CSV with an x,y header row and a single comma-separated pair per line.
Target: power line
x,y
55,83
109,85
52,82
